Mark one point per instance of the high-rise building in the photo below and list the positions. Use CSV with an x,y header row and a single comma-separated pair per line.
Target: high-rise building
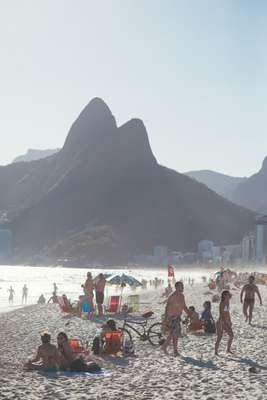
x,y
261,239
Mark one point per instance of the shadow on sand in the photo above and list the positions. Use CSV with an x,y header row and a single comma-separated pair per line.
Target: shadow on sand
x,y
200,363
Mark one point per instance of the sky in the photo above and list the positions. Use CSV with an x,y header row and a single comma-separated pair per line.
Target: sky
x,y
194,71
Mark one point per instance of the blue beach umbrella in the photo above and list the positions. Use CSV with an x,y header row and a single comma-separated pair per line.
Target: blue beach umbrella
x,y
124,280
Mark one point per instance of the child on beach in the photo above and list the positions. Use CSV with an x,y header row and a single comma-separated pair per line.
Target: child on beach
x,y
48,355
224,323
207,318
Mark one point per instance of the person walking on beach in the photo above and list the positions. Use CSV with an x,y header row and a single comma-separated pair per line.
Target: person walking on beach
x,y
99,293
55,288
224,323
250,289
173,311
11,295
24,294
88,289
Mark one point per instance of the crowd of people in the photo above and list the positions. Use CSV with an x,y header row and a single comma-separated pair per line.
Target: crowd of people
x,y
176,305
64,357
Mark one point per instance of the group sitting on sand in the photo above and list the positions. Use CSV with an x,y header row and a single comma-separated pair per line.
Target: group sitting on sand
x,y
51,358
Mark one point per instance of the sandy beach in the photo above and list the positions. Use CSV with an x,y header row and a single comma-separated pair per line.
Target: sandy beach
x,y
196,374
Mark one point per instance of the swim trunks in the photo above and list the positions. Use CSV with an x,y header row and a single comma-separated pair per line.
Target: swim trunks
x,y
249,301
99,297
175,325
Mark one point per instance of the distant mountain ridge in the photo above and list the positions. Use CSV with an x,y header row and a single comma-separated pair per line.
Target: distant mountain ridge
x,y
252,193
34,154
222,184
103,197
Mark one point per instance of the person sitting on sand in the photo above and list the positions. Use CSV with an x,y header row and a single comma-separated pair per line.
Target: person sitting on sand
x,y
69,361
224,323
195,323
173,311
250,289
53,298
41,300
48,355
207,318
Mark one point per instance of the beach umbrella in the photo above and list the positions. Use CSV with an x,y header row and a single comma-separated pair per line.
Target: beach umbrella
x,y
106,275
124,280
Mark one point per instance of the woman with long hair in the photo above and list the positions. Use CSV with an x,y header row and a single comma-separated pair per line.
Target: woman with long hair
x,y
224,323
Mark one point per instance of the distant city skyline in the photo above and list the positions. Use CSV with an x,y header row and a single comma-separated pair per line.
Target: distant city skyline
x,y
194,72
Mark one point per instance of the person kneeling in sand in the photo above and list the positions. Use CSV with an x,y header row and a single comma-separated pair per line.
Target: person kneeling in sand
x,y
174,309
48,355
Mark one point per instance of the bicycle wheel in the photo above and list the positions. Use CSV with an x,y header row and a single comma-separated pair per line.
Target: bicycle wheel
x,y
126,334
155,334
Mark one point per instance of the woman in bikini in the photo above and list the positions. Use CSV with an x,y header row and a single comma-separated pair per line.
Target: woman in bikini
x,y
224,323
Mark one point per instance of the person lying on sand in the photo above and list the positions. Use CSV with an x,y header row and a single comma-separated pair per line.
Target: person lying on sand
x,y
224,323
48,355
173,311
250,289
69,361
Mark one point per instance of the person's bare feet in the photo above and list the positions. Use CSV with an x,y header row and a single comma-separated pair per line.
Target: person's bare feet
x,y
216,353
175,353
230,351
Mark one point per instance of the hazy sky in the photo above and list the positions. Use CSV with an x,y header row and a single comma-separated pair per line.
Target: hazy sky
x,y
195,71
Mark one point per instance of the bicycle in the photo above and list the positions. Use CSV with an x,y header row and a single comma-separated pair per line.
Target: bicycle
x,y
154,334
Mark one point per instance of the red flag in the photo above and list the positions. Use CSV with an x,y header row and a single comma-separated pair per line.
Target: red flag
x,y
170,271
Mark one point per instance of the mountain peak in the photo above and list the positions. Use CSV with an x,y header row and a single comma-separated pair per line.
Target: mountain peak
x,y
95,119
264,166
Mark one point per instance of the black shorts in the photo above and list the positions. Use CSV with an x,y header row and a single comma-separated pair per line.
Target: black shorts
x,y
99,297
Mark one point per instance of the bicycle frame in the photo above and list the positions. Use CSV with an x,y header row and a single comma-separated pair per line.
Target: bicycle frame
x,y
143,324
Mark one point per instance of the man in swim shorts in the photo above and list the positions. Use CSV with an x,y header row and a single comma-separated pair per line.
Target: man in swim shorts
x,y
174,309
250,289
99,293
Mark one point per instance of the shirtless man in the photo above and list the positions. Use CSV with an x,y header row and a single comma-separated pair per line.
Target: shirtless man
x,y
47,353
250,289
99,293
174,309
88,289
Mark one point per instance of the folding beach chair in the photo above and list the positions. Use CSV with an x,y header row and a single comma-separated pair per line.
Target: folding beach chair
x,y
134,303
113,304
112,342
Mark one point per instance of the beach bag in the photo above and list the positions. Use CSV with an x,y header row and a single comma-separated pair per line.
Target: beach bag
x,y
128,348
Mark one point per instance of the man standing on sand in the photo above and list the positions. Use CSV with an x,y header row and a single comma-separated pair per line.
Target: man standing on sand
x,y
88,289
24,294
174,309
249,289
99,293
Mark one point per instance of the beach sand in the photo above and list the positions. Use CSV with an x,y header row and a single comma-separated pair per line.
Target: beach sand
x,y
196,374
